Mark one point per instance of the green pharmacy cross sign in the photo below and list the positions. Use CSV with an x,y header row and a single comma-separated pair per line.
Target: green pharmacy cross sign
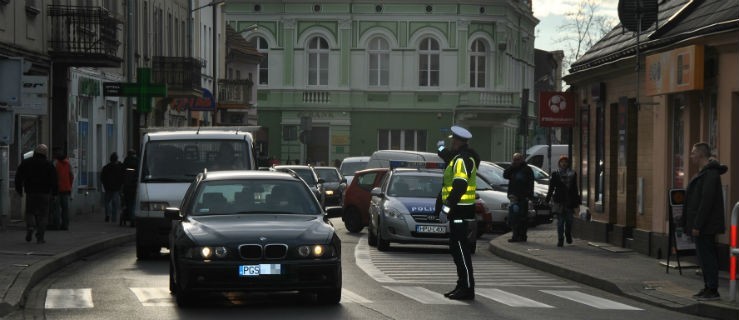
x,y
142,89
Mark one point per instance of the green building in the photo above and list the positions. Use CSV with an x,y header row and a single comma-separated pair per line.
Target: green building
x,y
346,78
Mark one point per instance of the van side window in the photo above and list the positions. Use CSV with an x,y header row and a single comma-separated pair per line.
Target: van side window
x,y
537,160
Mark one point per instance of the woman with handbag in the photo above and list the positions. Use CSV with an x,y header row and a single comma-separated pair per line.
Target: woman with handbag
x,y
564,197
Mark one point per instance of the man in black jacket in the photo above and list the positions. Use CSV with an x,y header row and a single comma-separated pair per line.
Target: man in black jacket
x,y
112,179
37,177
520,190
704,216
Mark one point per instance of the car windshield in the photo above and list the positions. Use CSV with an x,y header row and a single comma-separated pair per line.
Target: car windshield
x,y
482,185
493,175
182,160
306,174
328,174
247,196
417,186
348,168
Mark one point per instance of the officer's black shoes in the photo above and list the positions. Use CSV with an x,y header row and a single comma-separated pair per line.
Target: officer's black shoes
x,y
463,294
451,292
29,235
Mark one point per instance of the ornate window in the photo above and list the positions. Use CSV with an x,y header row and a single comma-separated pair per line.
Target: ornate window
x,y
428,63
379,60
477,64
318,61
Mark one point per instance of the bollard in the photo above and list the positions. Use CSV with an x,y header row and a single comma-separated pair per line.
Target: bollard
x,y
733,252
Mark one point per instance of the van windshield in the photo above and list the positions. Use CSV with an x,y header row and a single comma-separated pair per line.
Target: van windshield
x,y
182,160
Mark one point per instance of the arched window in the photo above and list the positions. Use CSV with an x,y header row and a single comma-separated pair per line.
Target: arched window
x,y
379,61
477,64
317,61
263,49
428,63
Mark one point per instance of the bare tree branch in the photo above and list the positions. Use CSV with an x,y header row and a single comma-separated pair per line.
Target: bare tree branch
x,y
584,25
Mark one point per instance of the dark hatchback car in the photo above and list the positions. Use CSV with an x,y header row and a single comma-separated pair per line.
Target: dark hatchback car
x,y
334,185
309,175
252,231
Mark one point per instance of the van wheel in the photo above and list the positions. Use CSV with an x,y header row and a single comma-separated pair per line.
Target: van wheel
x,y
352,220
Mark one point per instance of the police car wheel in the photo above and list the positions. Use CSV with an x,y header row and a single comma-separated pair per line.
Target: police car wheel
x,y
371,237
382,244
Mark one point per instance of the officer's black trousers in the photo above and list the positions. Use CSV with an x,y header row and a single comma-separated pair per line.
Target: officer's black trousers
x,y
459,246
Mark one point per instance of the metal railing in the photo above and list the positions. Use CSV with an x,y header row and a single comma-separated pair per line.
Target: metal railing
x,y
733,253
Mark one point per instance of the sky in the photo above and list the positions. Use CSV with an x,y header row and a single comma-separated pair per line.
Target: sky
x,y
551,15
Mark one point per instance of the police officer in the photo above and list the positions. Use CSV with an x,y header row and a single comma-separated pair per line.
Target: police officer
x,y
458,203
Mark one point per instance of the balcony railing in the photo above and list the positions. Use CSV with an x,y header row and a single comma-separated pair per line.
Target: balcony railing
x,y
181,74
84,36
317,97
235,92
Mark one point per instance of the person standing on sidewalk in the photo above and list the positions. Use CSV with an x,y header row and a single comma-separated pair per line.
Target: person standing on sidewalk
x,y
36,177
520,190
65,179
130,180
704,216
112,179
565,197
458,203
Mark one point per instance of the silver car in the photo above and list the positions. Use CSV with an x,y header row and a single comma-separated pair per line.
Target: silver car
x,y
402,210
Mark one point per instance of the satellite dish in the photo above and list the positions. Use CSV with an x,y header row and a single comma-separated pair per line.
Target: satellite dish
x,y
633,13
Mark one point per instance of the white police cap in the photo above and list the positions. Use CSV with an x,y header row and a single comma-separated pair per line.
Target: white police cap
x,y
462,133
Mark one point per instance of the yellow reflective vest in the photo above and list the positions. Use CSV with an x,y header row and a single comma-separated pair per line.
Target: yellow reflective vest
x,y
458,170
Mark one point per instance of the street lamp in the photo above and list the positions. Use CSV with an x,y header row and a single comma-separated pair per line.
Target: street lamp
x,y
214,4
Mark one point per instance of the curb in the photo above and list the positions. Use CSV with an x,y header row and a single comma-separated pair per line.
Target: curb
x,y
16,296
710,309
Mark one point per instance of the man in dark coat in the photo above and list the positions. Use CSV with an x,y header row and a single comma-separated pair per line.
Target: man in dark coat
x,y
520,190
36,177
112,179
704,216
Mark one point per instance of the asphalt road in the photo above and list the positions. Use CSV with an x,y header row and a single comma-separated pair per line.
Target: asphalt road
x,y
404,283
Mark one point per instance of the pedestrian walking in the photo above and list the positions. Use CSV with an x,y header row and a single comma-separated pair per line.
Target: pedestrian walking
x,y
112,179
520,190
36,177
130,182
704,216
65,179
458,203
565,197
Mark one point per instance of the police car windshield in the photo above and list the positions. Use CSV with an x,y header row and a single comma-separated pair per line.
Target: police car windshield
x,y
416,186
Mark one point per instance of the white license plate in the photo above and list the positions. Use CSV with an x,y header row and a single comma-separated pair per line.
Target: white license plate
x,y
431,229
259,269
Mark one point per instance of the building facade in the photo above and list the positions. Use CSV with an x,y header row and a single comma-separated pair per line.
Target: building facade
x,y
636,129
346,78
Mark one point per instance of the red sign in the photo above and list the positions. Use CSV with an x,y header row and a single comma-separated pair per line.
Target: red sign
x,y
556,109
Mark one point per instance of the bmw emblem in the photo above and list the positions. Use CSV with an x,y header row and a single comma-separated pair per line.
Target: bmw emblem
x,y
262,239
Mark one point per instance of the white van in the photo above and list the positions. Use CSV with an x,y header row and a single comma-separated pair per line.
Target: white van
x,y
537,155
382,158
352,164
170,160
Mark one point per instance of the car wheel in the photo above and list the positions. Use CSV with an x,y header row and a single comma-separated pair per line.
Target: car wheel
x,y
352,220
184,298
382,244
328,296
172,285
141,252
480,229
371,236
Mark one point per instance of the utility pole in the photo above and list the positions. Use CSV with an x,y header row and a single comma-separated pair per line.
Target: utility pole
x,y
214,6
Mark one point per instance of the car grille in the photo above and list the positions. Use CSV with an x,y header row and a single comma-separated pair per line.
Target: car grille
x,y
425,218
257,251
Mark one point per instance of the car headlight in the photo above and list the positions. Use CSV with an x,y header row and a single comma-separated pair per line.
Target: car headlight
x,y
153,206
206,253
504,206
329,192
316,251
394,213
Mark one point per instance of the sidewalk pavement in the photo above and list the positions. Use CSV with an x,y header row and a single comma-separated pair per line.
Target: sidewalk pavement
x,y
627,273
23,264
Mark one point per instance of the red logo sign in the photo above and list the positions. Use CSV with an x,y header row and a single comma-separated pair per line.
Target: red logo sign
x,y
556,109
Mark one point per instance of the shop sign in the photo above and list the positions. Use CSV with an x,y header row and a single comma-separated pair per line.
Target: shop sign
x,y
673,71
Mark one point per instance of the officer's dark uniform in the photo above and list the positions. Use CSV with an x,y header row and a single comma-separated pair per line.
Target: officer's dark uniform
x,y
458,198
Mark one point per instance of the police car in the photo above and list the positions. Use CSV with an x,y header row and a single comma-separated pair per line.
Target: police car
x,y
402,207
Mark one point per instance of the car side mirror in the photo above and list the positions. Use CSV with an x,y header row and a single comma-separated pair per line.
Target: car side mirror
x,y
172,213
321,181
376,192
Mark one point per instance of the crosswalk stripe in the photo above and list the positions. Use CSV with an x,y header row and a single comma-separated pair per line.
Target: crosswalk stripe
x,y
154,297
69,298
351,297
364,262
509,299
593,301
423,295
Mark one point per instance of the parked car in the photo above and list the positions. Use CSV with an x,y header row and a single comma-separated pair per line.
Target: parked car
x,y
252,231
493,175
357,198
402,210
541,176
334,185
309,175
350,165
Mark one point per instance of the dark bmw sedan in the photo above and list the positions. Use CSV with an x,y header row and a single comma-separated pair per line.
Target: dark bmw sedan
x,y
252,231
